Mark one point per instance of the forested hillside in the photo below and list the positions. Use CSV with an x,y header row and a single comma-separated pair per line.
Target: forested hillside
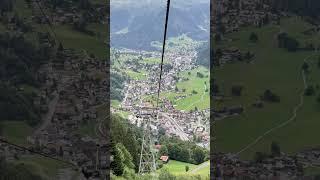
x,y
52,59
126,143
204,55
136,27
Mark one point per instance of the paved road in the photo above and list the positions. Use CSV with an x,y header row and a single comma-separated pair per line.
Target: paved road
x,y
179,130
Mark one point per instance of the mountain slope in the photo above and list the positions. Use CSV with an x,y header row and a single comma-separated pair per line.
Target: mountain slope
x,y
137,26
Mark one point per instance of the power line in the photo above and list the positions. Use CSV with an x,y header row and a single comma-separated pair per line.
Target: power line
x,y
163,49
23,147
38,153
48,20
147,159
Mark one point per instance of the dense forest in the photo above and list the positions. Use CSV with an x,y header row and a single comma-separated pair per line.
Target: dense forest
x,y
117,84
204,55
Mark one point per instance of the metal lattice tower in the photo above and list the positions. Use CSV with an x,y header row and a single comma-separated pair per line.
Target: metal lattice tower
x,y
147,161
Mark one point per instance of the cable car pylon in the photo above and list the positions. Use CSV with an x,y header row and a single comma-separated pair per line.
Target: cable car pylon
x,y
147,156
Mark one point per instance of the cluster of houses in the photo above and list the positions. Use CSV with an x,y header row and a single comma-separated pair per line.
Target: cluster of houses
x,y
273,167
138,100
73,90
231,15
73,86
69,14
224,112
228,55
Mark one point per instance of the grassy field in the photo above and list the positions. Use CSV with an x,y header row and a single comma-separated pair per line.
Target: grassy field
x,y
141,75
46,168
16,131
94,44
178,168
312,171
115,103
88,129
201,100
177,43
274,69
123,114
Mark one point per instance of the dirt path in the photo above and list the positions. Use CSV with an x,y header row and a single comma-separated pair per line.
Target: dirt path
x,y
46,120
200,100
201,166
293,117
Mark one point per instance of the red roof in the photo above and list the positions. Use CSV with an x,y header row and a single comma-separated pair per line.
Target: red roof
x,y
164,158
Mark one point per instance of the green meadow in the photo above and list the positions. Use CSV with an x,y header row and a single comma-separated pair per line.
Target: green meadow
x,y
200,99
179,169
46,168
275,69
16,131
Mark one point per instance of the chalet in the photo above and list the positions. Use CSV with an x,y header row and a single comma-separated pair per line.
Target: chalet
x,y
164,159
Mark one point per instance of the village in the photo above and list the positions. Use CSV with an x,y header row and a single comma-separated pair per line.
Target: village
x,y
183,124
229,17
283,166
73,89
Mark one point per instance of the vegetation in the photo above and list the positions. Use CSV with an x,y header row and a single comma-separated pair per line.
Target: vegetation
x,y
12,171
126,142
297,6
20,60
184,151
181,168
289,43
203,58
15,131
117,84
253,37
26,45
179,43
194,88
271,84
